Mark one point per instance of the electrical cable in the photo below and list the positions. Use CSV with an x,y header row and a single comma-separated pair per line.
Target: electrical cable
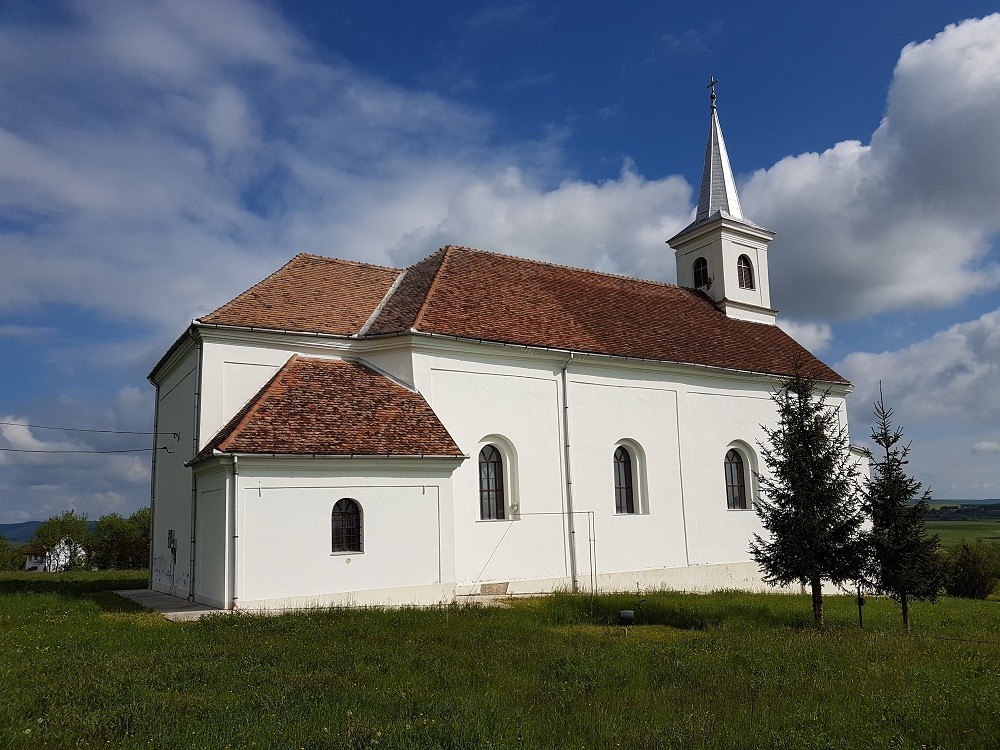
x,y
175,435
122,450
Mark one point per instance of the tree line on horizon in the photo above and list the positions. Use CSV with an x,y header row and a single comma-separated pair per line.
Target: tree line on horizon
x,y
113,542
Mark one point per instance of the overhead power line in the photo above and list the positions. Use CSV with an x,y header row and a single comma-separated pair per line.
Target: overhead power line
x,y
175,435
122,450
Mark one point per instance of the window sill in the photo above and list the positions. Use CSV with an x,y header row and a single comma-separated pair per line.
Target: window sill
x,y
346,554
496,520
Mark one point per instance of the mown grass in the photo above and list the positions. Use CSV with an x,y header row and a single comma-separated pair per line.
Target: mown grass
x,y
953,533
727,670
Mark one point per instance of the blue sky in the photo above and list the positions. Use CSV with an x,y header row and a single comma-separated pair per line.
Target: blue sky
x,y
158,158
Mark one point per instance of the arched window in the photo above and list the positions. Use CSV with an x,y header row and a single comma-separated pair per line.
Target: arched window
x,y
624,491
745,270
736,487
700,273
346,524
492,505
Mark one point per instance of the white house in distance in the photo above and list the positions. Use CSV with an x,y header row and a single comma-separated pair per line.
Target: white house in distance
x,y
475,424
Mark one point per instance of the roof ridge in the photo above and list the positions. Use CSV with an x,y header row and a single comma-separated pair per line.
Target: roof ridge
x,y
550,264
346,261
255,402
430,287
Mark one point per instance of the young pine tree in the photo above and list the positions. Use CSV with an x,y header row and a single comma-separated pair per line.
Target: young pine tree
x,y
904,562
810,501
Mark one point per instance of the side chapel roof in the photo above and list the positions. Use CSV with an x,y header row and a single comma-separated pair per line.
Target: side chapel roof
x,y
472,294
328,407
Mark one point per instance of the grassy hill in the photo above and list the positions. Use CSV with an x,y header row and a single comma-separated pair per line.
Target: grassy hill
x,y
83,667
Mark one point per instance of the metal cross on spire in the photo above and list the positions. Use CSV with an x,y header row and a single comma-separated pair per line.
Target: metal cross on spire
x,y
711,85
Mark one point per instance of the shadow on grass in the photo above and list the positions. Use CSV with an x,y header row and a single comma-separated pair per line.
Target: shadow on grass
x,y
98,586
685,612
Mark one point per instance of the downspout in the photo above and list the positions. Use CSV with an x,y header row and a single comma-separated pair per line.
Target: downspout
x,y
236,533
570,524
194,478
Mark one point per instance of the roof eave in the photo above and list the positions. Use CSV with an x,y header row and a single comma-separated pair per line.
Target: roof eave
x,y
347,456
697,228
190,334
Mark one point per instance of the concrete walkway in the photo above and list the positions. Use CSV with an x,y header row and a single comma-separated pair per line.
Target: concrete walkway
x,y
170,607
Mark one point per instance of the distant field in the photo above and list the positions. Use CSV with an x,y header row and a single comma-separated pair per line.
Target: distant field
x,y
953,533
83,668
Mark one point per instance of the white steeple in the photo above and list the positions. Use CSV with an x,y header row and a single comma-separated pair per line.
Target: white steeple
x,y
722,252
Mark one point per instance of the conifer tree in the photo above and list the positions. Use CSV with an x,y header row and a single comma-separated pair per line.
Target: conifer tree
x,y
809,502
904,561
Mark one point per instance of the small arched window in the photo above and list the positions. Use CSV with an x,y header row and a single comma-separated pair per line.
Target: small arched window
x,y
700,273
624,490
492,505
745,270
736,486
346,525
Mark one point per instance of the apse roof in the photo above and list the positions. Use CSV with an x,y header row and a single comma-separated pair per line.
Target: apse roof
x,y
329,407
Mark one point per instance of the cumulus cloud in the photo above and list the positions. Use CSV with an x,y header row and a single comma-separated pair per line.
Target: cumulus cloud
x,y
241,146
617,226
813,336
905,221
92,483
952,374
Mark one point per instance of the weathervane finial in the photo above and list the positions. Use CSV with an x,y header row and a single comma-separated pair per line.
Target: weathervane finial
x,y
711,85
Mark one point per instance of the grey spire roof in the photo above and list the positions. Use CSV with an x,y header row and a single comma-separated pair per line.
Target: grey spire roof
x,y
718,188
718,198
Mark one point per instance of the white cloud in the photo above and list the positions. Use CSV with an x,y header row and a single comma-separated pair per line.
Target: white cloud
x,y
953,374
617,226
240,147
986,446
904,222
813,336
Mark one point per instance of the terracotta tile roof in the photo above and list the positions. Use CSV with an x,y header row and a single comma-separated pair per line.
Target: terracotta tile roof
x,y
479,295
333,408
312,294
472,294
403,308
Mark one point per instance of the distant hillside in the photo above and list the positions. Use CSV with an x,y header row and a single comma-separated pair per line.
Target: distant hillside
x,y
955,510
19,533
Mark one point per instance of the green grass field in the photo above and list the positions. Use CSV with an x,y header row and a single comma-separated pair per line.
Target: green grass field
x,y
953,533
81,667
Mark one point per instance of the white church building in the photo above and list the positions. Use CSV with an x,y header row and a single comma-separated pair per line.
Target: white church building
x,y
353,434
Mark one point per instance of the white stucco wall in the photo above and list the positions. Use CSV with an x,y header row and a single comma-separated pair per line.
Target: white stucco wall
x,y
682,419
607,408
211,537
718,416
283,552
171,569
424,539
511,406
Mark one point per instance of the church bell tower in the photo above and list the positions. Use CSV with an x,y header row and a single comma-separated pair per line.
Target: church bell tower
x,y
721,252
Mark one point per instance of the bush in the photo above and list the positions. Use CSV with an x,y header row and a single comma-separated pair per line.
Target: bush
x,y
973,571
